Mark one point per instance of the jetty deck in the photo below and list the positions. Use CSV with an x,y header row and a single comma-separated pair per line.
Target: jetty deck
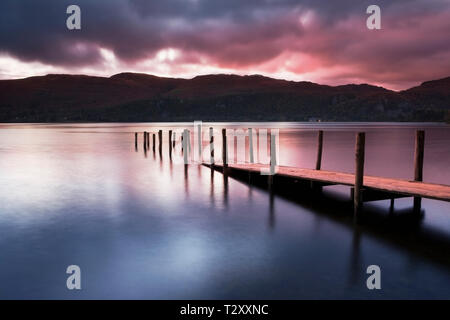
x,y
397,187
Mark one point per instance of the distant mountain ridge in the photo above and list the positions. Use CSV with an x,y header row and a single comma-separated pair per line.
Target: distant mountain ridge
x,y
142,97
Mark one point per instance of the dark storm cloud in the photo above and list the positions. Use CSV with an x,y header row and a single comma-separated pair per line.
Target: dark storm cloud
x,y
228,33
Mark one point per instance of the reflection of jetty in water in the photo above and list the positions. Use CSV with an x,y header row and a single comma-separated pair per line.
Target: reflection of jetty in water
x,y
401,228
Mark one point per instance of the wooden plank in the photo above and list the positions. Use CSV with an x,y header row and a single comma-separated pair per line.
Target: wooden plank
x,y
404,187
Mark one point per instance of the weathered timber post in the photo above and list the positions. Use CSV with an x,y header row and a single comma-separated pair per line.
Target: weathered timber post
x,y
418,164
250,145
273,160
160,141
273,153
211,145
359,171
170,143
136,140
145,140
154,142
224,150
199,142
184,139
148,140
188,144
319,150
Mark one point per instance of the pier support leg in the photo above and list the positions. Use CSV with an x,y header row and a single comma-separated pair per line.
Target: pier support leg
x,y
170,144
359,172
224,151
185,139
319,150
211,146
273,161
418,165
250,145
199,141
154,142
160,141
144,135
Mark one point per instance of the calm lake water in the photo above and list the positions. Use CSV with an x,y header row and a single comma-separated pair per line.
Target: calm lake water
x,y
139,226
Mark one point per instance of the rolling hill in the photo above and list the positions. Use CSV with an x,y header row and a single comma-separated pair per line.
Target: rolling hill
x,y
141,97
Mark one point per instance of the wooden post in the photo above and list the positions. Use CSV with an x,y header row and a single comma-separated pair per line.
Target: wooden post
x,y
174,139
145,139
359,171
273,153
418,164
188,142
250,145
170,143
199,142
319,150
185,146
148,140
160,140
154,142
135,140
211,145
224,150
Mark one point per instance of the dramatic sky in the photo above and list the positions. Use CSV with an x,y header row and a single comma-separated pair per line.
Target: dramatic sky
x,y
315,40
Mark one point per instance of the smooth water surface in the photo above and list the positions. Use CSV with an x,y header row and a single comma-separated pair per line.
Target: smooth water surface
x,y
141,226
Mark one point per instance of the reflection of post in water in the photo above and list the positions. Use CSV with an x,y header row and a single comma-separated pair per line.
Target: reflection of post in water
x,y
391,206
212,189
271,210
225,191
355,258
186,181
273,163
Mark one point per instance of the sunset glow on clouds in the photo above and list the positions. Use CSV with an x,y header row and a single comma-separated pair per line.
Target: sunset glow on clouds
x,y
321,41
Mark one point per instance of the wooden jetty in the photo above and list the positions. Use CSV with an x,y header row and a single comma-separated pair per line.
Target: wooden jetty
x,y
364,188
